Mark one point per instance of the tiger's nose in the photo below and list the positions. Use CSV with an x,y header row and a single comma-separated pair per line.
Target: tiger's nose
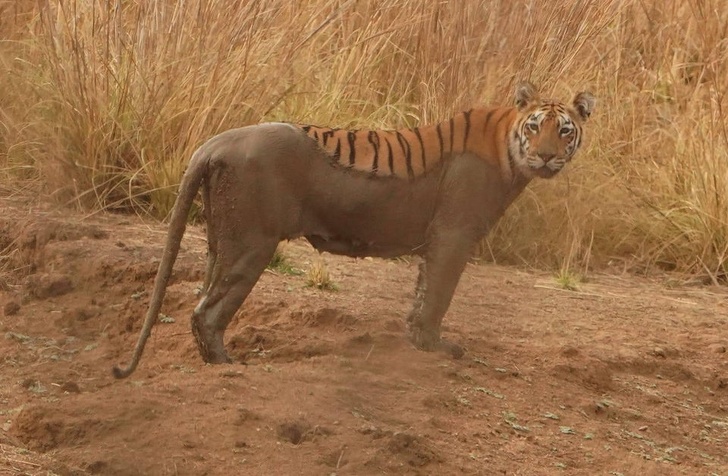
x,y
547,157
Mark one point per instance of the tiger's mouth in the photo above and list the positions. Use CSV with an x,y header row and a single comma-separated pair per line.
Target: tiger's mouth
x,y
545,169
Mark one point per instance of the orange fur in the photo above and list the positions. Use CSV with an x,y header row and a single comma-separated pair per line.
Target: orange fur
x,y
483,132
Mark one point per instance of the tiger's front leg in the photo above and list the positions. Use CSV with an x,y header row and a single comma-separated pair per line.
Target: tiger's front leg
x,y
439,274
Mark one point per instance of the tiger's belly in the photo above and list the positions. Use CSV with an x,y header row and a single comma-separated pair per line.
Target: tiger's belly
x,y
362,216
359,249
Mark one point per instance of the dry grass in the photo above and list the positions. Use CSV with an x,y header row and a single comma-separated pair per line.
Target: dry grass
x,y
16,460
317,276
103,103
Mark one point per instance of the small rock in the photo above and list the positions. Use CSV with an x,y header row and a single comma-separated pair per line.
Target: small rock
x,y
70,387
659,352
717,348
165,319
11,308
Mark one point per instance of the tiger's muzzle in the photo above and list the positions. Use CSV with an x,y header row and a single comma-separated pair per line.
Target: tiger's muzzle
x,y
546,166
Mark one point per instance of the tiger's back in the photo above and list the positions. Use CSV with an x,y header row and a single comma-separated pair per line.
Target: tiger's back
x,y
410,153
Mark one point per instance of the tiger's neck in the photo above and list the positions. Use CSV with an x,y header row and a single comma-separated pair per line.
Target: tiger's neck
x,y
409,153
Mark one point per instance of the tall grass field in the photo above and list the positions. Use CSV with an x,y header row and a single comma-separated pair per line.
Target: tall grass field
x,y
102,102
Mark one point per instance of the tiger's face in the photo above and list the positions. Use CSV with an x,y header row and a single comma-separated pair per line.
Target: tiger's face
x,y
547,133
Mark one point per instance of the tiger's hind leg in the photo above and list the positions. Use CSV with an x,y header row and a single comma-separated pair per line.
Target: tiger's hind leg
x,y
439,274
234,269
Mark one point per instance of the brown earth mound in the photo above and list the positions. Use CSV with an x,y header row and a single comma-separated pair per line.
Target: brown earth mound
x,y
622,376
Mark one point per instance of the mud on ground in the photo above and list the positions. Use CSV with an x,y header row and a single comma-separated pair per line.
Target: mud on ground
x,y
622,376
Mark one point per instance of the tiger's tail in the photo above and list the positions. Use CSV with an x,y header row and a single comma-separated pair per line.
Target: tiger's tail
x,y
191,181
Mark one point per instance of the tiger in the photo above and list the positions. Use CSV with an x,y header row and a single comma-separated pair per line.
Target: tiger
x,y
409,153
432,191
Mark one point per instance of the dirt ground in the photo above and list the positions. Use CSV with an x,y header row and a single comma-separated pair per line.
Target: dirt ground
x,y
623,376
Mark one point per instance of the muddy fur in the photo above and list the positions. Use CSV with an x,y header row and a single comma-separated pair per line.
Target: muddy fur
x,y
270,182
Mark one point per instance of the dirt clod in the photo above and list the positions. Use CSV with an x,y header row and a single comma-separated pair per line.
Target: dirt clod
x,y
37,429
718,348
412,449
98,467
70,387
294,431
11,308
46,285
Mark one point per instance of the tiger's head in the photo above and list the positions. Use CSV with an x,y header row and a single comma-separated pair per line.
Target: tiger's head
x,y
547,133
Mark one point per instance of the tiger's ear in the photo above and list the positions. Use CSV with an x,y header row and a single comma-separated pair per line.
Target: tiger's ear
x,y
584,104
525,94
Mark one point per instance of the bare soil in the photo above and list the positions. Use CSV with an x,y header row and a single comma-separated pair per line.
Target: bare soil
x,y
624,375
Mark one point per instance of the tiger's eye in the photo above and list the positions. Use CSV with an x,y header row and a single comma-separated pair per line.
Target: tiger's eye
x,y
532,126
565,131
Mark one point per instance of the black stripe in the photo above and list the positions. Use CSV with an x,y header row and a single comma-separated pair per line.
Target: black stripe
x,y
337,151
422,146
315,135
467,129
488,117
511,159
452,132
374,141
407,154
390,159
326,134
306,129
439,139
352,152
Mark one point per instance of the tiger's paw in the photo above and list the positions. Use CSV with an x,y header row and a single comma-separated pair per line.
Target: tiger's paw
x,y
210,346
212,354
431,342
454,350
